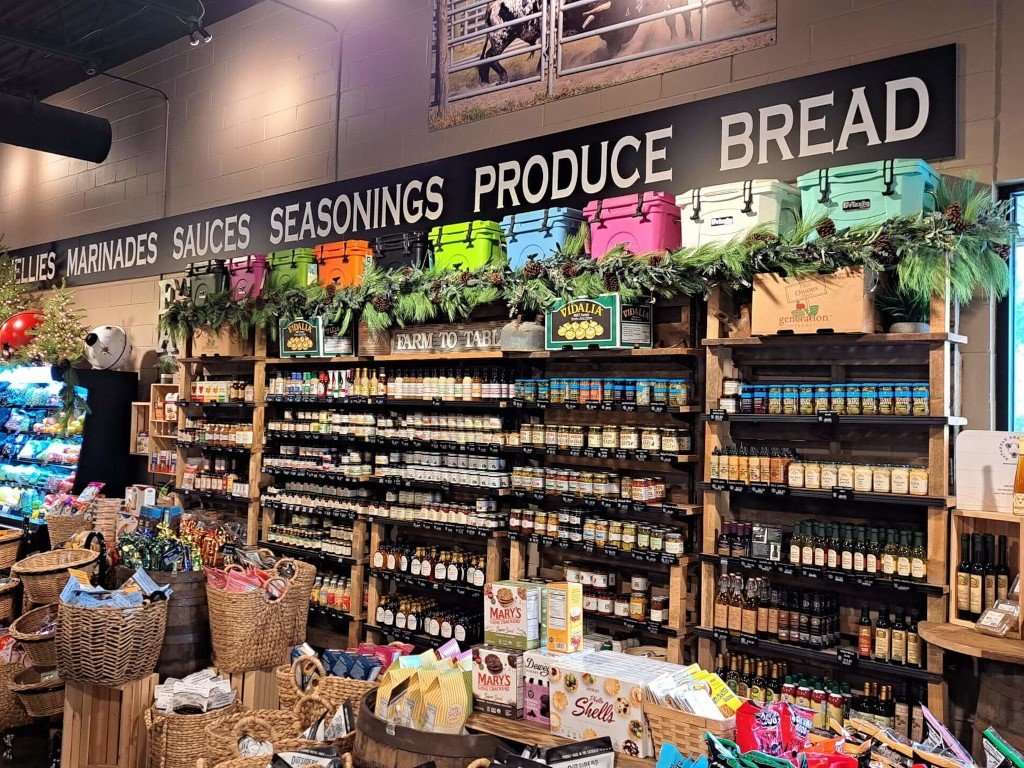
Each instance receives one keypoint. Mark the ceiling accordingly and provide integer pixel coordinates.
(49, 45)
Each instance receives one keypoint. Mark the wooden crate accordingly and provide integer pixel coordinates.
(139, 425)
(996, 523)
(256, 689)
(103, 726)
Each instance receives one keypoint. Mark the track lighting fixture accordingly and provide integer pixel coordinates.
(199, 34)
(193, 38)
(205, 34)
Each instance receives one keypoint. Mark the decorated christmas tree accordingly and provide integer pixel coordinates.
(12, 293)
(59, 338)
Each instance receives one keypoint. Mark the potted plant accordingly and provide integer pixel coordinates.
(167, 367)
(902, 311)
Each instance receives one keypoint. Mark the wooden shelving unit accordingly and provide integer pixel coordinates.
(162, 431)
(836, 358)
(139, 425)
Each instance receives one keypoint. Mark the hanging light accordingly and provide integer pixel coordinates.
(193, 38)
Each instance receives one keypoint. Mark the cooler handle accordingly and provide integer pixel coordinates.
(823, 186)
(748, 197)
(511, 234)
(639, 212)
(695, 204)
(597, 211)
(469, 232)
(888, 176)
(544, 224)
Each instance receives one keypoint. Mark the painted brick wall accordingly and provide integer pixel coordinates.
(253, 114)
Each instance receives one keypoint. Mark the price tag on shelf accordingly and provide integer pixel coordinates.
(847, 657)
(828, 417)
(748, 640)
(718, 414)
(842, 494)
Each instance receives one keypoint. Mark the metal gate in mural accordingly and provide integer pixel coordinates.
(497, 56)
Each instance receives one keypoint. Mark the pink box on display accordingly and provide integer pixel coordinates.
(643, 223)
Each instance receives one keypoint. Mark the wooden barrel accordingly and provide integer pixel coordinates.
(379, 745)
(186, 646)
(999, 703)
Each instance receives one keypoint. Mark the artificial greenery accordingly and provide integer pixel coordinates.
(59, 338)
(964, 243)
(13, 296)
(216, 312)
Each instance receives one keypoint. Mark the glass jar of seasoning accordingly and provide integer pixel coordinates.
(731, 387)
(886, 400)
(673, 543)
(806, 401)
(900, 479)
(601, 534)
(837, 398)
(822, 394)
(729, 403)
(575, 438)
(853, 400)
(628, 537)
(790, 400)
(628, 438)
(610, 436)
(921, 399)
(795, 474)
(903, 402)
(589, 601)
(869, 399)
(650, 439)
(659, 391)
(829, 475)
(812, 475)
(678, 393)
(594, 437)
(614, 534)
(638, 606)
(775, 399)
(918, 481)
(844, 476)
(881, 478)
(639, 583)
(760, 394)
(669, 440)
(659, 609)
(862, 478)
(622, 606)
(605, 604)
(643, 391)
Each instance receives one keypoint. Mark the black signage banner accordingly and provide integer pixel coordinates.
(903, 106)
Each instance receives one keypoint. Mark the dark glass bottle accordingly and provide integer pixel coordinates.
(1002, 571)
(963, 577)
(977, 576)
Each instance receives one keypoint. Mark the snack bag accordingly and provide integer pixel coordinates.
(764, 729)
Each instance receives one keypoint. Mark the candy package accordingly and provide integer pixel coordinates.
(767, 729)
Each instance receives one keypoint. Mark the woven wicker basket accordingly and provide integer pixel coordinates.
(9, 600)
(261, 762)
(298, 595)
(109, 646)
(221, 739)
(44, 574)
(41, 647)
(249, 630)
(12, 711)
(63, 527)
(332, 689)
(684, 730)
(178, 741)
(288, 693)
(10, 543)
(40, 698)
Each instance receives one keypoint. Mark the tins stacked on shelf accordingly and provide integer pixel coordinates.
(828, 473)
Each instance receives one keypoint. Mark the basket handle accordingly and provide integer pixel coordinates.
(282, 566)
(232, 567)
(253, 726)
(269, 594)
(155, 726)
(321, 704)
(310, 664)
(480, 762)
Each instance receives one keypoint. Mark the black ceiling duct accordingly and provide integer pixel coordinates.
(33, 124)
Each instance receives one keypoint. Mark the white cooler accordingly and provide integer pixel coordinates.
(729, 211)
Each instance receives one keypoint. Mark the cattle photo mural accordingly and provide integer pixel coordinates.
(496, 56)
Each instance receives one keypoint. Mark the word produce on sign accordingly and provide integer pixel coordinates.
(904, 106)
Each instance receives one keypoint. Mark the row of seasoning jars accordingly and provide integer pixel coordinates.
(296, 536)
(610, 436)
(905, 479)
(575, 527)
(850, 399)
(200, 432)
(636, 599)
(600, 485)
(674, 393)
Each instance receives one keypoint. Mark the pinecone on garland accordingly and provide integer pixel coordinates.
(382, 303)
(570, 270)
(827, 228)
(1002, 249)
(330, 290)
(883, 247)
(533, 269)
(496, 279)
(611, 281)
(656, 259)
(464, 278)
(763, 238)
(954, 214)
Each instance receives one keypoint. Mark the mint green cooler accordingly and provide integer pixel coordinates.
(868, 193)
(468, 245)
(295, 268)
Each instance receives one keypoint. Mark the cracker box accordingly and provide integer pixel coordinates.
(565, 617)
(512, 614)
(601, 694)
(498, 681)
(536, 696)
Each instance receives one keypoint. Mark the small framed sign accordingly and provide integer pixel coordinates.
(300, 337)
(602, 322)
(334, 343)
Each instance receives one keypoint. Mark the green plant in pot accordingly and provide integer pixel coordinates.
(903, 311)
(167, 367)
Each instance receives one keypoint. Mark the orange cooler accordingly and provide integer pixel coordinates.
(342, 263)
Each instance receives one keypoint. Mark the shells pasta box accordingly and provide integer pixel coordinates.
(842, 302)
(512, 614)
(498, 681)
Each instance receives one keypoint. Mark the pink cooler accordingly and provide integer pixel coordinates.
(246, 275)
(643, 223)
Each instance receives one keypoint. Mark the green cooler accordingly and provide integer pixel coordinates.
(868, 193)
(468, 245)
(295, 268)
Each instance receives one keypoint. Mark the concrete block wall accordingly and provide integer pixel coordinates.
(252, 113)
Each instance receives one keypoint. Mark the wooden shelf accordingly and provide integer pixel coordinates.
(826, 493)
(850, 421)
(970, 642)
(977, 514)
(525, 732)
(221, 360)
(838, 338)
(599, 354)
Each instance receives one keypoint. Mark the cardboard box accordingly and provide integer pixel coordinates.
(601, 694)
(839, 303)
(498, 681)
(225, 343)
(536, 696)
(565, 617)
(512, 614)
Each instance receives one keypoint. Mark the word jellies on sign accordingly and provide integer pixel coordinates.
(440, 339)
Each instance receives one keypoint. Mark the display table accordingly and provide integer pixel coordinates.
(971, 642)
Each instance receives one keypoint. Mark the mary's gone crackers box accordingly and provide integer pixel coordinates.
(512, 614)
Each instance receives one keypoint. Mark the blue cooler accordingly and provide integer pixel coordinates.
(868, 193)
(539, 233)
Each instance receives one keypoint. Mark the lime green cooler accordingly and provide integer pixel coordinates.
(468, 245)
(868, 193)
(295, 268)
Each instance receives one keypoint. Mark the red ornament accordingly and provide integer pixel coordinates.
(14, 332)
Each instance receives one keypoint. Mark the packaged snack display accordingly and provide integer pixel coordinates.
(512, 612)
(498, 681)
(564, 616)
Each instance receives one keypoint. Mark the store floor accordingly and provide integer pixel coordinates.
(29, 747)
